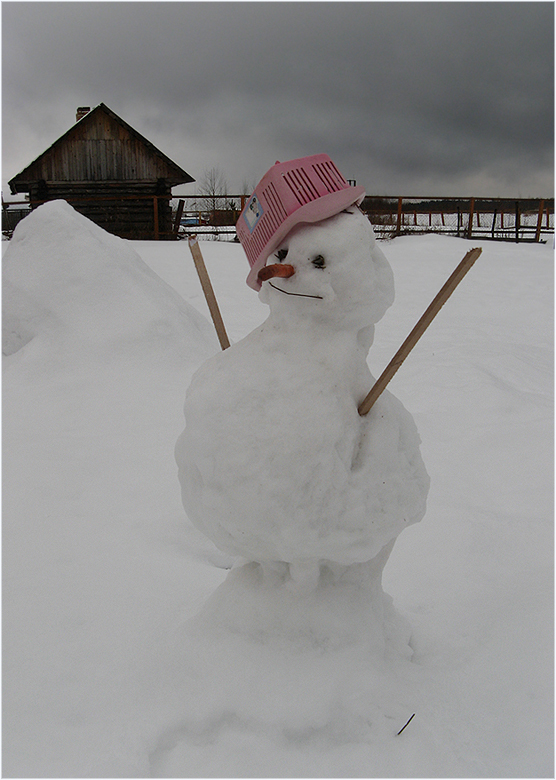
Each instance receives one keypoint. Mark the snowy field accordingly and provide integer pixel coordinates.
(116, 661)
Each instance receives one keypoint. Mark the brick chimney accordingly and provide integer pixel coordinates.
(81, 112)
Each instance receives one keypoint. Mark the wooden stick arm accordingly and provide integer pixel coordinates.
(208, 291)
(440, 299)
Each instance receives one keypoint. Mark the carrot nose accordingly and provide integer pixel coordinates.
(277, 269)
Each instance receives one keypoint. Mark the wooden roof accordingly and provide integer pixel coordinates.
(100, 147)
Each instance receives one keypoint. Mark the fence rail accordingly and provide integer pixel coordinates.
(502, 219)
(496, 219)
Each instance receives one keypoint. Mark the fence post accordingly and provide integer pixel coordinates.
(399, 223)
(493, 222)
(517, 225)
(539, 221)
(470, 223)
(179, 212)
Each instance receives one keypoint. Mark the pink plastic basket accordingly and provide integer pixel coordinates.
(305, 190)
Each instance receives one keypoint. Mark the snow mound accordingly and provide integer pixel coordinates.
(258, 663)
(69, 283)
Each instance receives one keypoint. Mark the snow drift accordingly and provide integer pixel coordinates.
(71, 284)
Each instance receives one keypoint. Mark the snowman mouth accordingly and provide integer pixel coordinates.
(298, 295)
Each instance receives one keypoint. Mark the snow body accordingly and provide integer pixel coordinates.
(275, 462)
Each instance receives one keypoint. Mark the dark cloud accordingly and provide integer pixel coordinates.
(425, 98)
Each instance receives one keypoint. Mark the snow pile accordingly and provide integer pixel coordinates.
(98, 345)
(76, 288)
(265, 683)
(128, 653)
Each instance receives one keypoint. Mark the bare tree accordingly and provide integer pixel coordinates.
(247, 188)
(214, 199)
(214, 191)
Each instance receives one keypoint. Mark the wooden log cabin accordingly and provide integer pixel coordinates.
(110, 173)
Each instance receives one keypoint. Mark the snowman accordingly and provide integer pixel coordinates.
(276, 465)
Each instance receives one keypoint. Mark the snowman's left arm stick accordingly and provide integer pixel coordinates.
(208, 291)
(440, 299)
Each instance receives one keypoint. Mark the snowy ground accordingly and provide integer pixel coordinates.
(105, 673)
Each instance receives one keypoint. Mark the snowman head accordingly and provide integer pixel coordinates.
(330, 271)
(308, 189)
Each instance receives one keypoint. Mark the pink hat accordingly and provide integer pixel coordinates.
(305, 190)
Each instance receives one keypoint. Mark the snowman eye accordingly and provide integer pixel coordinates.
(319, 261)
(281, 254)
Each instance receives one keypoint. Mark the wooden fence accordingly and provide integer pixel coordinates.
(496, 219)
(523, 219)
(501, 219)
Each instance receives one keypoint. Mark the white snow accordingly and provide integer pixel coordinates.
(121, 656)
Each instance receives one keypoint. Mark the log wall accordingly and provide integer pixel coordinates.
(138, 211)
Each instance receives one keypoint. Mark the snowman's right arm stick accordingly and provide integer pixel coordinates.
(442, 296)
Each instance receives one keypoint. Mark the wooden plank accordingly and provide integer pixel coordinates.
(539, 221)
(179, 212)
(399, 221)
(440, 299)
(155, 206)
(209, 292)
(470, 223)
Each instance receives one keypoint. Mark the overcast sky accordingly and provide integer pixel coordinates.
(407, 98)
